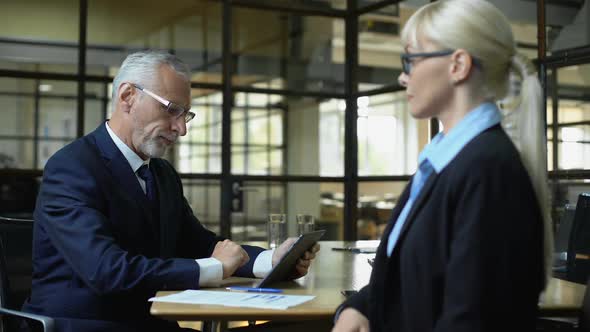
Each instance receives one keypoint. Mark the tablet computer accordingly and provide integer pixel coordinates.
(285, 266)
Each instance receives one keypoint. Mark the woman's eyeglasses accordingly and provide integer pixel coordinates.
(173, 109)
(407, 58)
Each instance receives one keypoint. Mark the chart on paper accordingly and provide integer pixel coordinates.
(232, 299)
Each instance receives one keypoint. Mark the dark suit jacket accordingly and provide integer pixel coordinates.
(99, 252)
(470, 255)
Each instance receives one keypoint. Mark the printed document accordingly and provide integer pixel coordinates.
(235, 299)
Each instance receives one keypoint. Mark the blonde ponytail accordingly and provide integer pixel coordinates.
(525, 126)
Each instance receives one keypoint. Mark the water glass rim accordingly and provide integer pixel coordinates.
(277, 217)
(301, 217)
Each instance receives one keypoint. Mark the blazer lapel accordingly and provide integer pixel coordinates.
(122, 172)
(381, 250)
(396, 212)
(420, 200)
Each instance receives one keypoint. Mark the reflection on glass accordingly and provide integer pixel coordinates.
(26, 104)
(57, 126)
(259, 200)
(573, 117)
(96, 105)
(574, 147)
(332, 137)
(323, 201)
(17, 102)
(200, 150)
(292, 52)
(26, 42)
(306, 4)
(388, 136)
(567, 25)
(192, 29)
(274, 135)
(550, 149)
(203, 197)
(16, 153)
(574, 80)
(257, 133)
(376, 202)
(379, 46)
(331, 214)
(566, 192)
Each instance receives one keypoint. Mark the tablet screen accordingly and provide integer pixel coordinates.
(285, 266)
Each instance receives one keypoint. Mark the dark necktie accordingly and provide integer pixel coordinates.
(146, 175)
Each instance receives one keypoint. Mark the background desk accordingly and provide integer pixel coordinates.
(561, 298)
(331, 272)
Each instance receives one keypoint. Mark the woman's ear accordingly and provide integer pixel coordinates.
(461, 64)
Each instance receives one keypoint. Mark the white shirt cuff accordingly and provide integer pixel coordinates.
(210, 272)
(263, 264)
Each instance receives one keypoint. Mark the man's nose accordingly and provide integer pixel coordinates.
(179, 125)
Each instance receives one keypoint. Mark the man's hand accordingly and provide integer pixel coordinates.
(231, 255)
(303, 262)
(351, 320)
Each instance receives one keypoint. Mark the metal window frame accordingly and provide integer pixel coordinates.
(350, 180)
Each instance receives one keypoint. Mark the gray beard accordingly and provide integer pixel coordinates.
(152, 148)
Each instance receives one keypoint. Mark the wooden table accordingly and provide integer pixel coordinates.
(331, 272)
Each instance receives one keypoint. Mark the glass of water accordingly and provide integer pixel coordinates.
(277, 229)
(305, 223)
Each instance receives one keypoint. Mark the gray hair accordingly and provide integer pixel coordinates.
(142, 68)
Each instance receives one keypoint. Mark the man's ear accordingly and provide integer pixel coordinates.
(127, 96)
(461, 64)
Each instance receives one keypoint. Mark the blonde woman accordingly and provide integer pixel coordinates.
(466, 246)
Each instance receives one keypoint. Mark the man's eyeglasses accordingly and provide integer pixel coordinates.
(173, 109)
(407, 58)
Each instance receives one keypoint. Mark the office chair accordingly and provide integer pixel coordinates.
(15, 268)
(17, 195)
(578, 253)
(562, 240)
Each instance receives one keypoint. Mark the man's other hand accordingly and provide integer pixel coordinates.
(303, 263)
(231, 255)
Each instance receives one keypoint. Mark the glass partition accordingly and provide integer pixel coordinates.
(280, 135)
(324, 201)
(200, 150)
(567, 25)
(292, 52)
(26, 42)
(573, 118)
(203, 197)
(17, 102)
(389, 138)
(39, 117)
(379, 46)
(190, 29)
(96, 105)
(376, 202)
